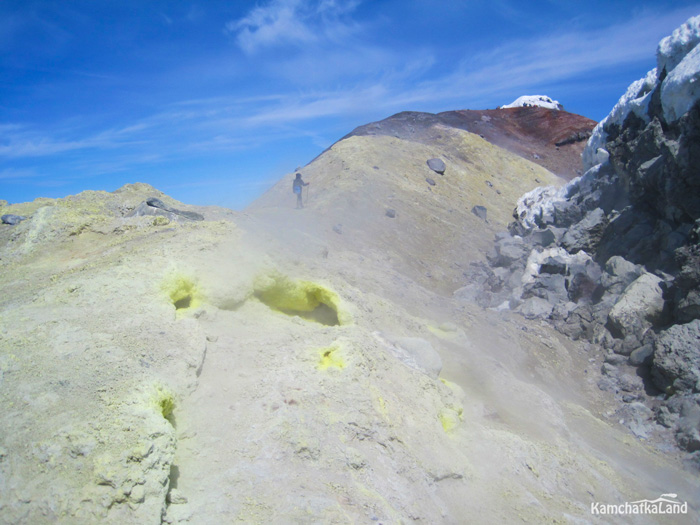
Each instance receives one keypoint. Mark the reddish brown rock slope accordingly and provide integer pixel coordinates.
(553, 139)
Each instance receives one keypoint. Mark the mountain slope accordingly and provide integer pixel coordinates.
(554, 139)
(434, 235)
(260, 367)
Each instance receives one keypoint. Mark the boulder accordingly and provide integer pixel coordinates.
(545, 237)
(507, 251)
(549, 287)
(619, 274)
(583, 278)
(535, 308)
(582, 286)
(642, 355)
(574, 323)
(688, 307)
(155, 206)
(586, 234)
(639, 308)
(566, 213)
(12, 219)
(676, 362)
(687, 283)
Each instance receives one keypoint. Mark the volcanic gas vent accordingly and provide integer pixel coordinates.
(305, 299)
(182, 291)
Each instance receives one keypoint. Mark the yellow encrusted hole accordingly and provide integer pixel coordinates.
(182, 291)
(451, 417)
(305, 299)
(163, 401)
(331, 357)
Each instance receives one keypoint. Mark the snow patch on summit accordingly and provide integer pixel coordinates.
(534, 100)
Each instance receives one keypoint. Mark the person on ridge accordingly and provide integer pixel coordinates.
(297, 187)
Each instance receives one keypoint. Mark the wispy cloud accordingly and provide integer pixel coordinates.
(293, 23)
(17, 174)
(383, 81)
(21, 141)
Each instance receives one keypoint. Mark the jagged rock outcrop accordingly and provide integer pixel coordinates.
(635, 217)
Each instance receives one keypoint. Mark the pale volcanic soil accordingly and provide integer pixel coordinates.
(301, 366)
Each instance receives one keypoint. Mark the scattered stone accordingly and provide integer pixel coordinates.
(437, 165)
(430, 181)
(391, 213)
(480, 211)
(338, 228)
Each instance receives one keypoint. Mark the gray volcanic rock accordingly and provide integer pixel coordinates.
(508, 250)
(154, 202)
(619, 273)
(639, 308)
(12, 219)
(437, 165)
(677, 358)
(585, 235)
(480, 211)
(634, 213)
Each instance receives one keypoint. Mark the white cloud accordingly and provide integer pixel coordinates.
(379, 82)
(280, 22)
(295, 23)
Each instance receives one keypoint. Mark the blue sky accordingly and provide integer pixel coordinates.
(214, 101)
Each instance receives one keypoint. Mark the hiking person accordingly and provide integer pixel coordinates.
(297, 188)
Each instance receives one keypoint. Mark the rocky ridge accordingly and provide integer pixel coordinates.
(613, 256)
(551, 138)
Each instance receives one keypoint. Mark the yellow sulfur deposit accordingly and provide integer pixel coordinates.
(303, 298)
(182, 291)
(450, 418)
(163, 401)
(331, 357)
